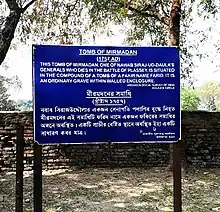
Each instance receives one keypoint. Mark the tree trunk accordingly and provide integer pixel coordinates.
(174, 40)
(174, 24)
(8, 30)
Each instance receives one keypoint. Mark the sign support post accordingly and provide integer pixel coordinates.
(37, 177)
(177, 194)
(19, 168)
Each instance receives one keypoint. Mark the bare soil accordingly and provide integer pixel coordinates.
(115, 190)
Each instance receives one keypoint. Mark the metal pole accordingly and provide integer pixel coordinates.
(177, 177)
(19, 168)
(37, 178)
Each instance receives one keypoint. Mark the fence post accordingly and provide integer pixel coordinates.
(19, 168)
(177, 187)
(37, 177)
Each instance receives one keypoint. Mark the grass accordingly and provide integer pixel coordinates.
(115, 190)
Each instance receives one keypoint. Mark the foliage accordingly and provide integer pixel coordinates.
(5, 103)
(189, 99)
(210, 95)
(24, 105)
(55, 22)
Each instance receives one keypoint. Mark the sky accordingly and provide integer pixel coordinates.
(19, 60)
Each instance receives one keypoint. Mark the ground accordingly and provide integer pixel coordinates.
(115, 190)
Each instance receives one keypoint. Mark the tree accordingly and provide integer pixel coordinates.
(76, 20)
(151, 19)
(189, 99)
(210, 95)
(5, 103)
(9, 25)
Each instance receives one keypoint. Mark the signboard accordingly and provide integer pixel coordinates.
(95, 94)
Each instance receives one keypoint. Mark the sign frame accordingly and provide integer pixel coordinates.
(110, 141)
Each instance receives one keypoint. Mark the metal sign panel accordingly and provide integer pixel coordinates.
(95, 94)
